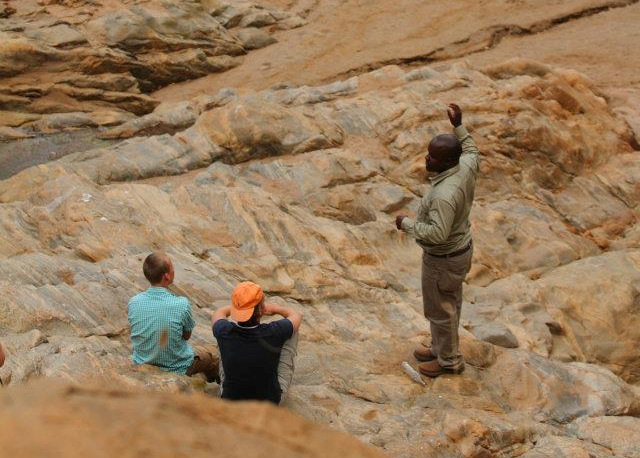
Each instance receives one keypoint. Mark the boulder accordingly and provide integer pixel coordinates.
(618, 434)
(497, 334)
(167, 424)
(254, 38)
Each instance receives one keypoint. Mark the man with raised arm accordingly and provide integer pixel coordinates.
(257, 358)
(443, 231)
(161, 324)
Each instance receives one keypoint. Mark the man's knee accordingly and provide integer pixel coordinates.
(286, 366)
(205, 353)
(205, 361)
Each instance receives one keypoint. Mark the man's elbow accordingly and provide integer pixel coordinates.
(296, 320)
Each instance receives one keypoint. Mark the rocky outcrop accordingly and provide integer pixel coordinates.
(86, 57)
(296, 188)
(45, 418)
(617, 434)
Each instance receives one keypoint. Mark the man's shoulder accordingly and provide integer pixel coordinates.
(182, 301)
(222, 327)
(168, 297)
(468, 163)
(173, 299)
(279, 327)
(138, 298)
(277, 323)
(446, 188)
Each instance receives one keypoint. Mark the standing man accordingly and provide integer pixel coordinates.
(161, 324)
(257, 359)
(443, 230)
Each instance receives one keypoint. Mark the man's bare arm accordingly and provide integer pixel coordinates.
(292, 315)
(220, 314)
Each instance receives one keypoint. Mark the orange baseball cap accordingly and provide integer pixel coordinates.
(245, 297)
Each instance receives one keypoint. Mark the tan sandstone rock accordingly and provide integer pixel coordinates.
(297, 188)
(165, 425)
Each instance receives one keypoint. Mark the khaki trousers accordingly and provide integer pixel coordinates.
(286, 366)
(205, 361)
(442, 280)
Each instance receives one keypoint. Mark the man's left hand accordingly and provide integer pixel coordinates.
(399, 219)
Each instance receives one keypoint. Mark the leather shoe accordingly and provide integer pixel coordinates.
(424, 354)
(434, 369)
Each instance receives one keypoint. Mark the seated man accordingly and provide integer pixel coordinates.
(161, 323)
(257, 359)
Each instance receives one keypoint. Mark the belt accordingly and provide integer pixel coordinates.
(454, 254)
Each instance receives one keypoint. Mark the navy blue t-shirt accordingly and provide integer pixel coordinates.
(250, 358)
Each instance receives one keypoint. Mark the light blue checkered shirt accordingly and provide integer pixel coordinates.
(150, 313)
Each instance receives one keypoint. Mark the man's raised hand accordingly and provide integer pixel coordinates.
(455, 114)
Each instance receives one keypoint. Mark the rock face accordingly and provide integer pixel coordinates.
(618, 434)
(95, 57)
(164, 425)
(296, 189)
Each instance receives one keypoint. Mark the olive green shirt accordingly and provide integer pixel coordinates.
(442, 225)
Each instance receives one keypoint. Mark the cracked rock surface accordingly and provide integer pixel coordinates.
(296, 188)
(292, 177)
(102, 56)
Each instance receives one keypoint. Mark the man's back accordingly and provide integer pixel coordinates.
(158, 320)
(250, 358)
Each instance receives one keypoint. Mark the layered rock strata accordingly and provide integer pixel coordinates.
(93, 63)
(296, 188)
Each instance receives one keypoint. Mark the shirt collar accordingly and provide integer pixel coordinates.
(245, 327)
(158, 290)
(442, 175)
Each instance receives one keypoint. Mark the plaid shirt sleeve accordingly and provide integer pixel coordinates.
(187, 318)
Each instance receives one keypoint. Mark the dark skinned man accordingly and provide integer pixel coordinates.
(443, 231)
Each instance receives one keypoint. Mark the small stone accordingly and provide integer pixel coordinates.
(253, 38)
(495, 333)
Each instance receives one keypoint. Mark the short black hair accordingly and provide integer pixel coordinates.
(155, 266)
(450, 144)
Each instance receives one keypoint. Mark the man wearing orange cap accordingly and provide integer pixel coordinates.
(257, 358)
